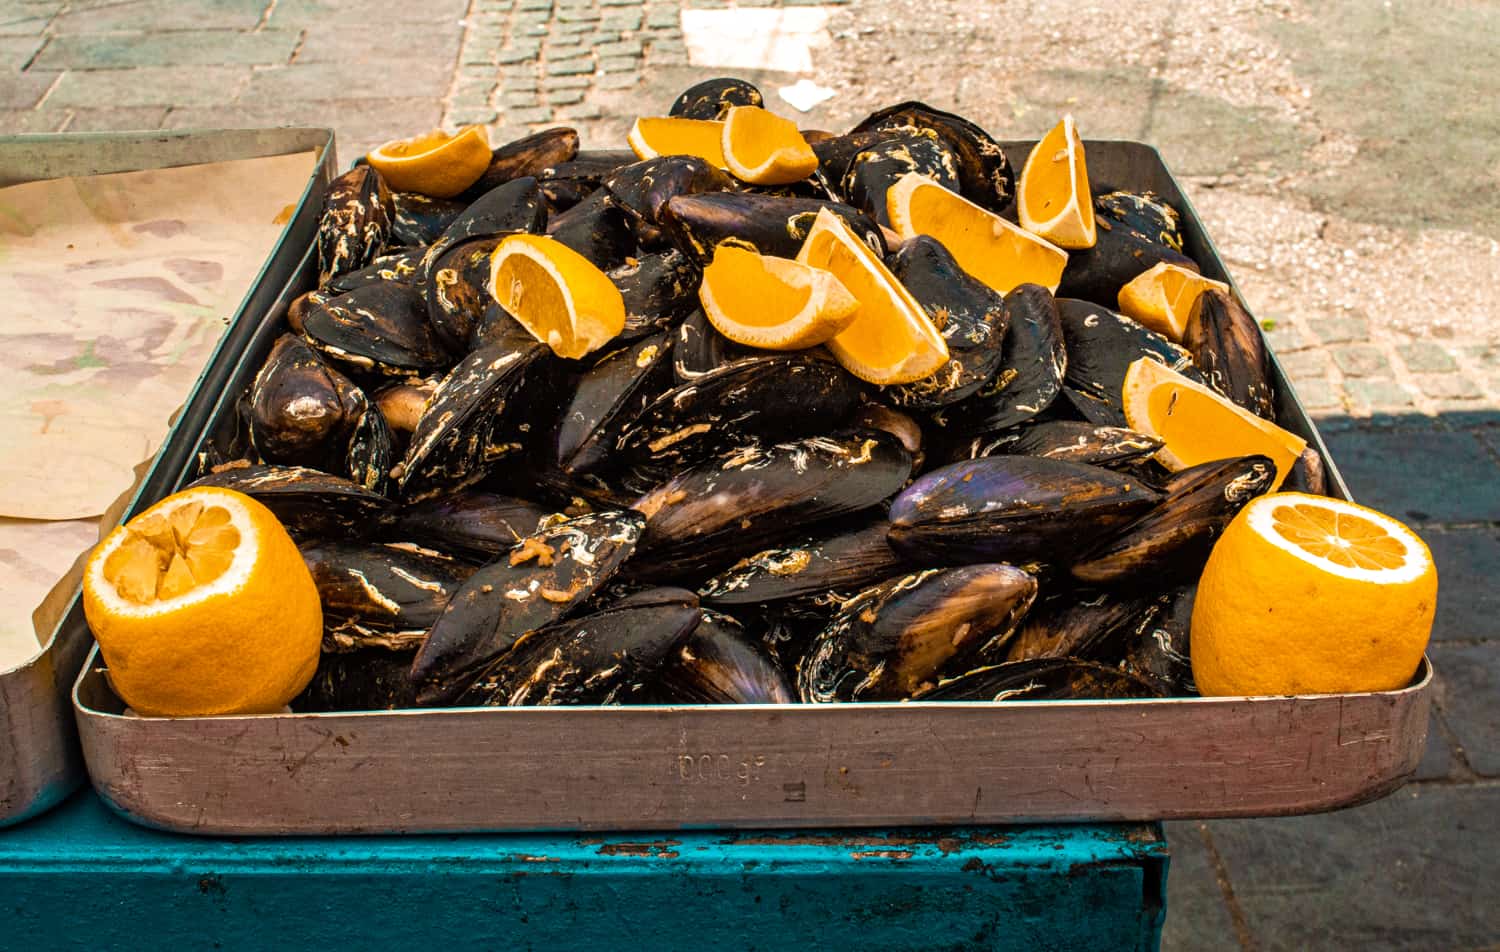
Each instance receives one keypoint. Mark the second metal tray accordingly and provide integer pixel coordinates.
(581, 768)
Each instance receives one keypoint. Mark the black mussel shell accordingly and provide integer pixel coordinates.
(698, 348)
(720, 663)
(598, 229)
(1031, 372)
(602, 658)
(874, 416)
(1045, 679)
(591, 166)
(455, 286)
(525, 157)
(983, 170)
(1143, 212)
(1118, 256)
(311, 504)
(355, 224)
(1171, 543)
(836, 156)
(1307, 475)
(758, 398)
(972, 317)
(370, 679)
(402, 404)
(376, 595)
(1018, 509)
(659, 289)
(742, 502)
(712, 98)
(873, 171)
(562, 194)
(892, 640)
(422, 219)
(770, 224)
(475, 525)
(607, 398)
(642, 190)
(402, 267)
(844, 561)
(1160, 652)
(1103, 344)
(1100, 411)
(474, 419)
(379, 328)
(508, 209)
(537, 582)
(1230, 351)
(1072, 440)
(1082, 623)
(302, 304)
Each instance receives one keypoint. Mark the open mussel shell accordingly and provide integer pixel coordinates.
(367, 679)
(379, 328)
(525, 157)
(720, 663)
(355, 223)
(750, 499)
(643, 189)
(475, 525)
(589, 167)
(1075, 441)
(537, 582)
(698, 348)
(712, 98)
(1118, 256)
(1083, 623)
(836, 156)
(598, 229)
(455, 287)
(609, 397)
(402, 404)
(1229, 349)
(1143, 212)
(844, 560)
(563, 194)
(971, 316)
(474, 419)
(402, 267)
(1045, 679)
(770, 224)
(983, 170)
(1307, 475)
(1160, 652)
(379, 595)
(311, 505)
(659, 290)
(903, 426)
(602, 658)
(1103, 344)
(304, 303)
(761, 397)
(1018, 509)
(1171, 543)
(422, 219)
(874, 170)
(892, 640)
(1032, 367)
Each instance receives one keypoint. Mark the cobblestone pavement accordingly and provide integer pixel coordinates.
(1343, 153)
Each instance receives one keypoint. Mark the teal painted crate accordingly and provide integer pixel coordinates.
(81, 878)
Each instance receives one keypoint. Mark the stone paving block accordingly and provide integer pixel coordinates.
(617, 81)
(1377, 394)
(571, 67)
(178, 48)
(25, 90)
(621, 48)
(1197, 918)
(1400, 873)
(570, 82)
(1393, 470)
(663, 17)
(1471, 683)
(117, 119)
(564, 97)
(574, 29)
(471, 115)
(1284, 338)
(534, 5)
(18, 121)
(623, 21)
(1449, 386)
(1361, 360)
(159, 15)
(150, 86)
(519, 99)
(435, 45)
(577, 16)
(619, 64)
(17, 51)
(537, 114)
(1468, 563)
(367, 14)
(580, 111)
(1305, 364)
(1318, 395)
(517, 55)
(1437, 759)
(1426, 357)
(321, 81)
(29, 20)
(1334, 330)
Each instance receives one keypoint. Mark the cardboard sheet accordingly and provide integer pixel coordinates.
(116, 289)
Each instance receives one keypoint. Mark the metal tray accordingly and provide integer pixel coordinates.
(595, 768)
(39, 753)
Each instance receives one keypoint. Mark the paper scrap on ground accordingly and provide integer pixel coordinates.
(116, 289)
(782, 40)
(805, 94)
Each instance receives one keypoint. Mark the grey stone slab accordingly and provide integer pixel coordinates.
(1468, 563)
(1361, 360)
(1449, 386)
(617, 81)
(1301, 364)
(1197, 918)
(25, 90)
(1437, 758)
(325, 81)
(16, 52)
(620, 64)
(1419, 473)
(117, 119)
(367, 15)
(1318, 394)
(517, 54)
(1283, 338)
(663, 16)
(18, 121)
(436, 46)
(150, 86)
(564, 97)
(1471, 700)
(571, 67)
(1334, 330)
(28, 20)
(622, 21)
(1406, 872)
(1373, 394)
(1426, 357)
(159, 15)
(178, 48)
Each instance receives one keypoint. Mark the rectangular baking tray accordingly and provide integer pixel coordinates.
(40, 760)
(672, 767)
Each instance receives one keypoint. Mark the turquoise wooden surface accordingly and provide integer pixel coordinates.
(81, 878)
